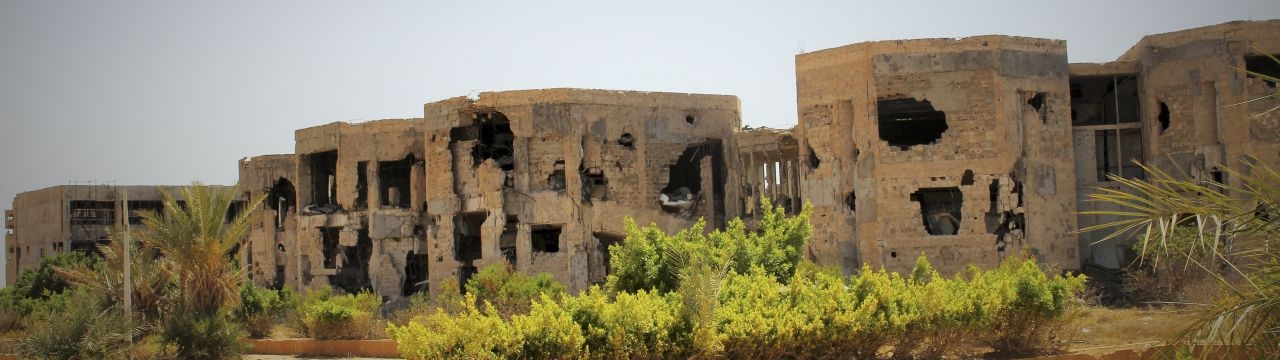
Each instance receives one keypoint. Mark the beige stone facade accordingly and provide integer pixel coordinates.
(966, 150)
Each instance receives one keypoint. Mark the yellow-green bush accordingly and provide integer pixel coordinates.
(324, 315)
(740, 294)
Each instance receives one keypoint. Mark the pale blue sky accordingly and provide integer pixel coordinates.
(164, 92)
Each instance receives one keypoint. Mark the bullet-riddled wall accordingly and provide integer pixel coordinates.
(958, 149)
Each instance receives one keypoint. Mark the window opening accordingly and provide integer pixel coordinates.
(324, 179)
(546, 238)
(683, 193)
(466, 236)
(1262, 64)
(939, 209)
(905, 123)
(393, 181)
(415, 274)
(353, 275)
(281, 200)
(507, 243)
(362, 185)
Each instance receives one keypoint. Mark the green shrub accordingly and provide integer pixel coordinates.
(651, 260)
(36, 285)
(201, 336)
(261, 309)
(324, 315)
(1031, 308)
(511, 292)
(470, 334)
(76, 324)
(750, 295)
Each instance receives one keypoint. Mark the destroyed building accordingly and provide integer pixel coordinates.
(966, 150)
(540, 179)
(958, 149)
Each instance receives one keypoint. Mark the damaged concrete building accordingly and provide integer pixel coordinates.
(540, 179)
(955, 148)
(966, 150)
(68, 218)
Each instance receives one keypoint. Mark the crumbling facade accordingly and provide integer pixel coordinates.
(958, 149)
(540, 179)
(965, 150)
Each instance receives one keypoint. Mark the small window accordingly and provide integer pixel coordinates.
(940, 209)
(546, 238)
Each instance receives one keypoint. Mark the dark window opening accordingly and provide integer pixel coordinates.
(603, 243)
(814, 161)
(466, 235)
(1262, 64)
(279, 280)
(682, 195)
(594, 185)
(546, 238)
(967, 178)
(393, 181)
(627, 141)
(353, 276)
(281, 200)
(362, 185)
(893, 254)
(851, 201)
(1037, 102)
(507, 243)
(1163, 117)
(324, 177)
(909, 122)
(137, 207)
(85, 212)
(556, 181)
(689, 119)
(415, 274)
(494, 140)
(234, 210)
(329, 244)
(1104, 100)
(939, 209)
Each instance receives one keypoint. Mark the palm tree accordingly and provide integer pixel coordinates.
(195, 240)
(1236, 239)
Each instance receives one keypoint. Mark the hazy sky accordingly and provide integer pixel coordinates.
(166, 92)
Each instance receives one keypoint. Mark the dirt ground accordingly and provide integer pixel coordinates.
(1103, 328)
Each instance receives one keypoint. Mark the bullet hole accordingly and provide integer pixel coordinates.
(689, 119)
(627, 141)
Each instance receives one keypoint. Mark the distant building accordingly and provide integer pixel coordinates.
(67, 218)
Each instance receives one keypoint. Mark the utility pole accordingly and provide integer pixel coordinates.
(128, 278)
